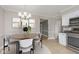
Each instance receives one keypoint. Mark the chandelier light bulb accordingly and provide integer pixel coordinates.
(25, 13)
(20, 14)
(29, 16)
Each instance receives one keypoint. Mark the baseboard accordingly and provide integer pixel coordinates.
(50, 38)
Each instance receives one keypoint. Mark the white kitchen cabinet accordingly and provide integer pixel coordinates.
(63, 39)
(65, 21)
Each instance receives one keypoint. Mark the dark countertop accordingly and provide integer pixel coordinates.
(72, 34)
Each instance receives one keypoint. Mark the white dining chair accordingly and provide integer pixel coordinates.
(38, 39)
(26, 45)
(6, 43)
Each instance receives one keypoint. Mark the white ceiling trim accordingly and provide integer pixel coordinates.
(67, 9)
(50, 13)
(50, 16)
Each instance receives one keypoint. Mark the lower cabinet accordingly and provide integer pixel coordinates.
(63, 39)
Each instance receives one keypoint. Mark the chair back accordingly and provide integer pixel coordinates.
(25, 43)
(7, 40)
(40, 36)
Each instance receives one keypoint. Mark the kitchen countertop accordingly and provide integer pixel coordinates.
(73, 34)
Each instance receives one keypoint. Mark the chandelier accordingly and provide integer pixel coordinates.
(24, 18)
(24, 15)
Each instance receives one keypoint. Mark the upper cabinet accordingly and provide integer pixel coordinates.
(74, 21)
(70, 18)
(65, 21)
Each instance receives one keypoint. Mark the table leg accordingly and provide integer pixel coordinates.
(33, 46)
(17, 47)
(41, 43)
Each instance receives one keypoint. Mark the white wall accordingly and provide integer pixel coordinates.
(54, 27)
(8, 23)
(1, 25)
(37, 24)
(51, 28)
(58, 25)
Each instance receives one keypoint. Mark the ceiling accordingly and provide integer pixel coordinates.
(42, 10)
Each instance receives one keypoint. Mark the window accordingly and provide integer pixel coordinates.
(24, 23)
(31, 23)
(16, 23)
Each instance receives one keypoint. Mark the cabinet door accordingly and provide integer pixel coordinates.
(65, 21)
(62, 38)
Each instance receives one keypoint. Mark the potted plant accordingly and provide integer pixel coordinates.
(25, 29)
(29, 28)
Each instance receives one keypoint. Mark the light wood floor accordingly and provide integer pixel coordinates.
(56, 48)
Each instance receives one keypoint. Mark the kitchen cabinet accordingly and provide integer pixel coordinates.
(74, 21)
(65, 21)
(63, 39)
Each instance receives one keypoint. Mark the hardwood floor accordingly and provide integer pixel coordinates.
(56, 48)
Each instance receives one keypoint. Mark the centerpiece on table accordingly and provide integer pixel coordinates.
(27, 29)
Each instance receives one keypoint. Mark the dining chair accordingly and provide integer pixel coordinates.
(6, 43)
(38, 39)
(26, 45)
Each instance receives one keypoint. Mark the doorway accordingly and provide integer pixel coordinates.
(44, 26)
